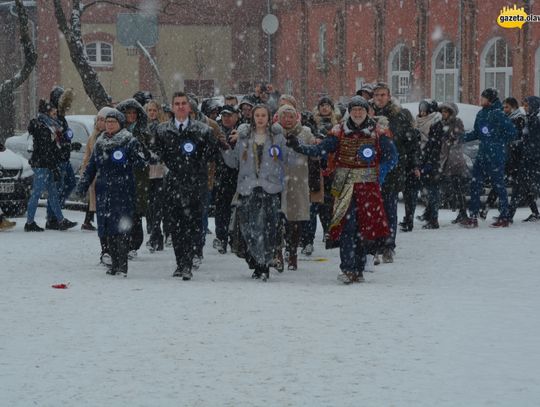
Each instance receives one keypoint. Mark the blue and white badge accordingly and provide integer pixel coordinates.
(119, 156)
(366, 153)
(188, 147)
(485, 130)
(69, 134)
(274, 152)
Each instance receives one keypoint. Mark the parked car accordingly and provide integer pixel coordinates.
(82, 127)
(15, 183)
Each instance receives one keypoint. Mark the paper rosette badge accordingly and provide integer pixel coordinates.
(512, 17)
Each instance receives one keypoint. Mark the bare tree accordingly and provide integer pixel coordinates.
(73, 35)
(7, 88)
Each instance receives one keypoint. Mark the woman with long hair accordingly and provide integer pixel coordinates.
(260, 155)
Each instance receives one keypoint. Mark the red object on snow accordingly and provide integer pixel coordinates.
(61, 286)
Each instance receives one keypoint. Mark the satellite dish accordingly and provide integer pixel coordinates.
(270, 24)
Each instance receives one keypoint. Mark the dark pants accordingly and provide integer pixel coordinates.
(137, 233)
(64, 185)
(202, 236)
(154, 216)
(410, 197)
(118, 249)
(293, 231)
(223, 196)
(185, 216)
(433, 201)
(457, 194)
(324, 210)
(495, 171)
(390, 199)
(104, 242)
(522, 193)
(352, 250)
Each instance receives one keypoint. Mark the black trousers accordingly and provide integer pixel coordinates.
(154, 217)
(137, 233)
(118, 249)
(223, 196)
(186, 225)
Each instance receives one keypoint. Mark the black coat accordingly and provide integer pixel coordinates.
(529, 165)
(186, 155)
(407, 141)
(431, 154)
(45, 132)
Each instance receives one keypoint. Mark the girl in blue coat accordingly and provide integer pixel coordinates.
(116, 153)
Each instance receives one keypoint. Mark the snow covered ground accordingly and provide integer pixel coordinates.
(453, 322)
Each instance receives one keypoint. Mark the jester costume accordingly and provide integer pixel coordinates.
(362, 156)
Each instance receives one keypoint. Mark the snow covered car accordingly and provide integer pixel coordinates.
(15, 183)
(82, 127)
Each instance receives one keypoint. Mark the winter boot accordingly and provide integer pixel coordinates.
(470, 223)
(265, 273)
(388, 255)
(52, 224)
(187, 274)
(32, 227)
(278, 262)
(433, 224)
(292, 261)
(197, 261)
(462, 215)
(533, 217)
(6, 224)
(88, 227)
(65, 224)
(501, 223)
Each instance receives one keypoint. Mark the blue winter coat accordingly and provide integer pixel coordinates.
(113, 161)
(494, 130)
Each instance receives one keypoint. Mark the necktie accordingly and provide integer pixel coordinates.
(181, 128)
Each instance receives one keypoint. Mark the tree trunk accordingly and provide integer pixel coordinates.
(7, 98)
(72, 33)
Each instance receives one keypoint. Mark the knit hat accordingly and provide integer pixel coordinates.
(366, 87)
(428, 105)
(286, 109)
(119, 116)
(325, 99)
(358, 101)
(246, 100)
(104, 110)
(451, 106)
(491, 94)
(228, 109)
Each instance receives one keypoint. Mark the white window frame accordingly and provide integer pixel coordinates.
(322, 44)
(445, 71)
(508, 70)
(403, 76)
(99, 61)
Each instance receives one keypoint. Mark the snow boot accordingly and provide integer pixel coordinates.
(293, 262)
(462, 215)
(470, 223)
(501, 223)
(434, 224)
(32, 227)
(388, 255)
(533, 217)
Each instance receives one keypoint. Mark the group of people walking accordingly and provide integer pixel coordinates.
(271, 169)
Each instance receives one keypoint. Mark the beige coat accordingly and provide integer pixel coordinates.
(295, 199)
(86, 158)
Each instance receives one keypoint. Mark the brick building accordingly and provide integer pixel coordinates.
(446, 49)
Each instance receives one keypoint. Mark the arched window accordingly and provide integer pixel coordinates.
(99, 53)
(444, 83)
(399, 74)
(496, 67)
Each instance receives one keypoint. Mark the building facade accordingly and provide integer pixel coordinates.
(204, 47)
(448, 50)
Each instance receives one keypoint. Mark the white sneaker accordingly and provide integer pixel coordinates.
(308, 250)
(344, 278)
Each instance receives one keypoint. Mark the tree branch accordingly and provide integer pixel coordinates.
(30, 56)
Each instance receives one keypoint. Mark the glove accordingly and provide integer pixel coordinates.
(76, 146)
(292, 142)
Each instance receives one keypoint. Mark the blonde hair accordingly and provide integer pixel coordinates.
(161, 114)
